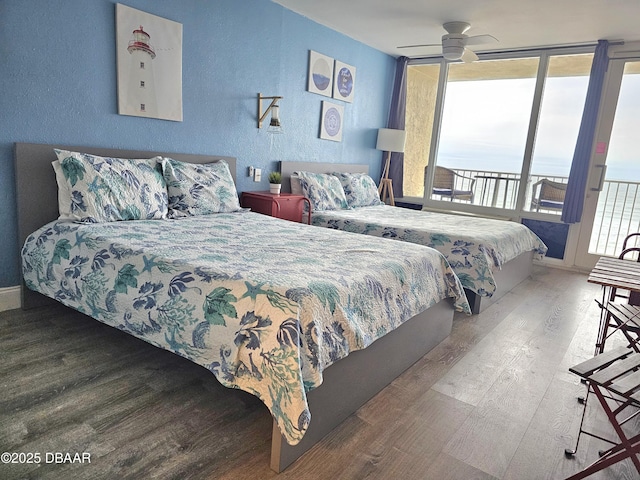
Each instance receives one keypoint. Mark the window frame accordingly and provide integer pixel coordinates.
(519, 211)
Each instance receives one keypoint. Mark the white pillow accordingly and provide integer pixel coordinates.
(64, 195)
(296, 189)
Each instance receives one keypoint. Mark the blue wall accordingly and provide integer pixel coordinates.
(58, 85)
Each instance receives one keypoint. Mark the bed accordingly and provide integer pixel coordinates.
(489, 256)
(234, 293)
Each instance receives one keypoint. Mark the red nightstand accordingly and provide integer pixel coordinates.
(284, 205)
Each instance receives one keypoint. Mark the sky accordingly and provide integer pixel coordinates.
(485, 124)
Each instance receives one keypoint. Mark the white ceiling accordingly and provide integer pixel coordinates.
(517, 24)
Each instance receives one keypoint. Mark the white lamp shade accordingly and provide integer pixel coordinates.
(391, 140)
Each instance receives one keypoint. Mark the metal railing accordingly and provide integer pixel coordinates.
(617, 213)
(499, 189)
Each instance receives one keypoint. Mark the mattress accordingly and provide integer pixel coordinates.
(475, 247)
(265, 304)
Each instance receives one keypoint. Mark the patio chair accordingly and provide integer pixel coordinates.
(448, 183)
(548, 195)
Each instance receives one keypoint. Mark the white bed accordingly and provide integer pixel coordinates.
(201, 297)
(489, 256)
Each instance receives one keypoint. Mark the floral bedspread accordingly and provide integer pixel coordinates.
(264, 304)
(475, 247)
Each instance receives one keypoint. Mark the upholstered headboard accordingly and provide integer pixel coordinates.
(37, 190)
(287, 168)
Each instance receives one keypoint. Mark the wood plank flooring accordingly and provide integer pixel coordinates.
(495, 400)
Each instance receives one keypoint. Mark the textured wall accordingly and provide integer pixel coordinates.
(58, 85)
(422, 89)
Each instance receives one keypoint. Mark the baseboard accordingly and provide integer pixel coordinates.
(9, 298)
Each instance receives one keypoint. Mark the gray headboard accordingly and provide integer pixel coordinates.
(287, 168)
(37, 190)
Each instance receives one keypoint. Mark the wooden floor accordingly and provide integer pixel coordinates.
(493, 401)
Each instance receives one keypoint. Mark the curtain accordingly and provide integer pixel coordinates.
(577, 183)
(396, 120)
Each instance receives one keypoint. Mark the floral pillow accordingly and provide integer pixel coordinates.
(199, 188)
(359, 189)
(106, 189)
(324, 191)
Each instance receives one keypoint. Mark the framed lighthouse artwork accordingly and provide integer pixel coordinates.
(149, 54)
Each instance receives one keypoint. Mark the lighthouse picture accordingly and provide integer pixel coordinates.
(149, 52)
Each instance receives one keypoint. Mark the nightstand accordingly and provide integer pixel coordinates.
(284, 205)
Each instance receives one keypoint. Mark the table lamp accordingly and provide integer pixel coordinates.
(389, 140)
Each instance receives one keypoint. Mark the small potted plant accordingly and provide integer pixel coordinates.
(275, 179)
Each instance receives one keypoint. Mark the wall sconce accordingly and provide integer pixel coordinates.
(274, 108)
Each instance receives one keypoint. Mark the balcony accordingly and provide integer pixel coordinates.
(617, 213)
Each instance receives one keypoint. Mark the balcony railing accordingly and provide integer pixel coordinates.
(499, 189)
(617, 213)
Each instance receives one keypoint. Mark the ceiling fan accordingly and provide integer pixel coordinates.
(456, 41)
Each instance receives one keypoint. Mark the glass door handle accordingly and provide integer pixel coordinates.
(603, 173)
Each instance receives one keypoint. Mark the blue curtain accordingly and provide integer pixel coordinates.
(574, 198)
(396, 120)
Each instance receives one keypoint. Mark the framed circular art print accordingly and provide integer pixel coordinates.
(344, 81)
(320, 74)
(332, 121)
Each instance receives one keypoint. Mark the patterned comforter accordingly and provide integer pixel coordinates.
(475, 247)
(264, 304)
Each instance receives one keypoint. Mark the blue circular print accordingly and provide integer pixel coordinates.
(332, 122)
(345, 82)
(321, 74)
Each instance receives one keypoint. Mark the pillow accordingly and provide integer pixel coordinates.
(199, 188)
(64, 195)
(359, 189)
(106, 189)
(296, 189)
(324, 191)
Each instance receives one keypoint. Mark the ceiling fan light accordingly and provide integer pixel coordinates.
(452, 52)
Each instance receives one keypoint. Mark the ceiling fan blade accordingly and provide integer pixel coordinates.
(417, 46)
(468, 56)
(481, 39)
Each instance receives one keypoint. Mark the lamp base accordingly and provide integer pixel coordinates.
(386, 190)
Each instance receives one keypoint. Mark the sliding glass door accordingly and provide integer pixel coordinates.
(483, 132)
(493, 131)
(496, 137)
(612, 207)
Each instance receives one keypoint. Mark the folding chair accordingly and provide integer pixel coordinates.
(630, 253)
(622, 317)
(614, 377)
